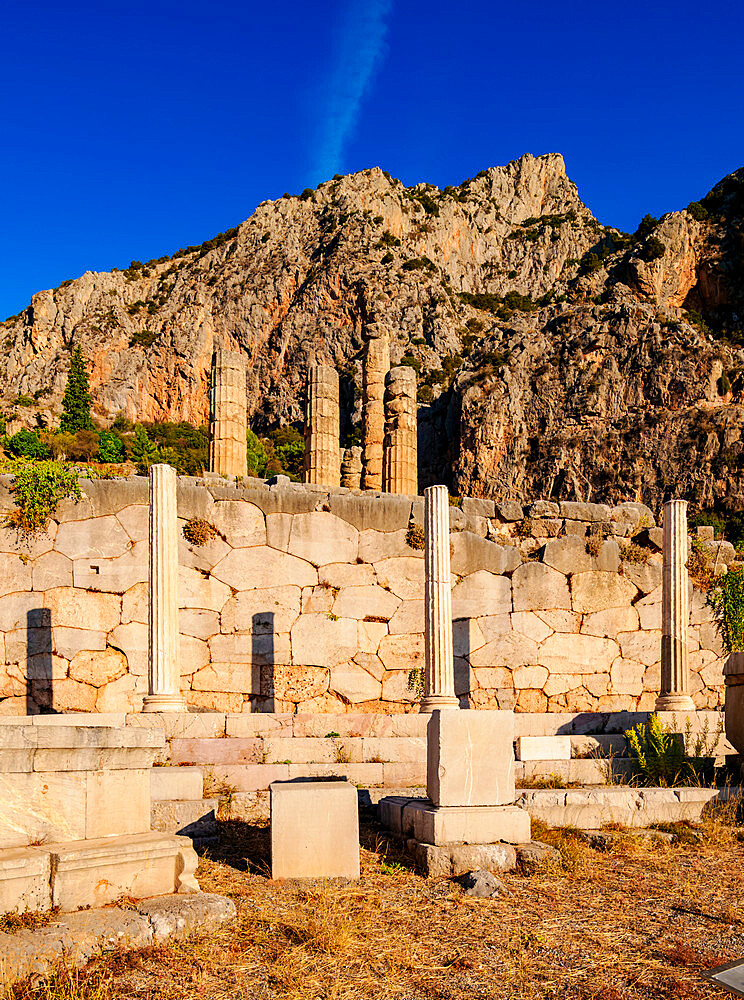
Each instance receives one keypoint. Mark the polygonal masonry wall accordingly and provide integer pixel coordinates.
(309, 599)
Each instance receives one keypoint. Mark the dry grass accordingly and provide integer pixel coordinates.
(637, 922)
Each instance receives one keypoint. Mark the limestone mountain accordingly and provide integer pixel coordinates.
(555, 356)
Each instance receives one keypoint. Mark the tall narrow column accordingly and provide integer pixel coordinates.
(376, 366)
(322, 448)
(439, 681)
(675, 612)
(164, 678)
(227, 414)
(399, 457)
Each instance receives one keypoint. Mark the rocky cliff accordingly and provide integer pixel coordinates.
(556, 357)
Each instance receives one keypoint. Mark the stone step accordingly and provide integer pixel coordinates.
(576, 772)
(189, 818)
(176, 783)
(327, 750)
(230, 778)
(609, 723)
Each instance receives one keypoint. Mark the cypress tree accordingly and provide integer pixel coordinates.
(77, 399)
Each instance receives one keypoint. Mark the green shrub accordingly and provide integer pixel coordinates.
(658, 752)
(145, 338)
(388, 258)
(652, 249)
(256, 455)
(387, 240)
(26, 444)
(418, 264)
(110, 447)
(77, 400)
(22, 401)
(144, 451)
(726, 599)
(38, 489)
(697, 211)
(306, 194)
(411, 362)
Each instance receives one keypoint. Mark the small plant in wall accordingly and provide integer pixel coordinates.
(415, 536)
(726, 598)
(197, 531)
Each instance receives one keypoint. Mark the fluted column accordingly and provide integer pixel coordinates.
(439, 680)
(376, 366)
(675, 612)
(399, 458)
(164, 677)
(227, 415)
(351, 468)
(322, 448)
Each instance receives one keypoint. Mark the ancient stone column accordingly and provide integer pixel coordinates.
(164, 678)
(322, 448)
(376, 366)
(439, 680)
(351, 468)
(227, 414)
(675, 612)
(399, 457)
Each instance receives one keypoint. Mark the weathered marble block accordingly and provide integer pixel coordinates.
(314, 830)
(470, 758)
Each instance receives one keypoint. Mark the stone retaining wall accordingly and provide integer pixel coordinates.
(311, 600)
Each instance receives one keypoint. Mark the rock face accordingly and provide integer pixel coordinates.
(556, 357)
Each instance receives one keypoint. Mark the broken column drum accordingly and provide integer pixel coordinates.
(322, 450)
(439, 680)
(227, 415)
(675, 612)
(400, 458)
(376, 367)
(164, 677)
(351, 468)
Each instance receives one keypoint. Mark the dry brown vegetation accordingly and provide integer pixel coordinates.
(641, 920)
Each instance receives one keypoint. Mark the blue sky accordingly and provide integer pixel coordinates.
(131, 130)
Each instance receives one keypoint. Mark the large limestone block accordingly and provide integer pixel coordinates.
(112, 575)
(370, 635)
(403, 576)
(132, 640)
(135, 520)
(98, 872)
(646, 576)
(354, 684)
(397, 687)
(193, 654)
(67, 642)
(470, 758)
(642, 646)
(241, 523)
(467, 824)
(567, 555)
(39, 807)
(471, 553)
(481, 593)
(597, 591)
(585, 511)
(263, 567)
(95, 538)
(320, 537)
(134, 604)
(121, 695)
(341, 575)
(198, 591)
(201, 557)
(408, 618)
(649, 610)
(536, 587)
(402, 652)
(198, 622)
(466, 637)
(25, 880)
(565, 653)
(510, 649)
(71, 607)
(626, 677)
(318, 640)
(314, 830)
(51, 570)
(610, 622)
(274, 609)
(543, 748)
(117, 802)
(386, 512)
(15, 573)
(98, 667)
(365, 602)
(257, 648)
(529, 624)
(377, 545)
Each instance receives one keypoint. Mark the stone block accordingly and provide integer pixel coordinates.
(470, 758)
(585, 511)
(456, 859)
(36, 807)
(250, 777)
(380, 513)
(609, 622)
(597, 591)
(261, 567)
(536, 587)
(117, 802)
(510, 510)
(471, 553)
(481, 593)
(567, 555)
(95, 538)
(194, 818)
(260, 724)
(98, 872)
(543, 508)
(321, 641)
(320, 537)
(177, 782)
(241, 523)
(25, 880)
(365, 601)
(314, 830)
(403, 576)
(467, 824)
(543, 748)
(354, 684)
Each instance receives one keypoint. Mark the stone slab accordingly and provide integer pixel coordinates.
(187, 818)
(314, 830)
(466, 824)
(470, 758)
(24, 880)
(98, 872)
(456, 859)
(176, 783)
(543, 748)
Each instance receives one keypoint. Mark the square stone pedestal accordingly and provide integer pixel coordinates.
(314, 829)
(440, 825)
(470, 758)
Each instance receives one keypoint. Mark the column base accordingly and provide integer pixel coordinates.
(675, 703)
(432, 702)
(164, 703)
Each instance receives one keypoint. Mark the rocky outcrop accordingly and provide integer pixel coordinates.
(554, 356)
